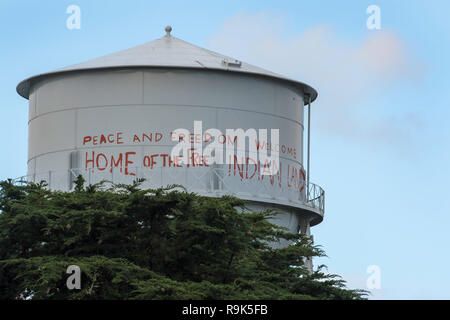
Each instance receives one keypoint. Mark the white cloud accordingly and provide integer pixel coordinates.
(347, 75)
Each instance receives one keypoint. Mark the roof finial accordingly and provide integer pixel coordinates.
(168, 30)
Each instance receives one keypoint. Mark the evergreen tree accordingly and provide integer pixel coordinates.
(134, 243)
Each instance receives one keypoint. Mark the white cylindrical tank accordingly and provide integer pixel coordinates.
(114, 118)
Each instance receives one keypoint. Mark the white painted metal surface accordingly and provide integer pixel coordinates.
(106, 116)
(168, 52)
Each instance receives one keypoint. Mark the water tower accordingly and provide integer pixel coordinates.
(113, 118)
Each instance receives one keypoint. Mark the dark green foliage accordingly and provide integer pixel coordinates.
(132, 243)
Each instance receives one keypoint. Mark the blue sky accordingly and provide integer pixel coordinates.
(380, 141)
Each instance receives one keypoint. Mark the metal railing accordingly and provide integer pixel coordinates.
(208, 181)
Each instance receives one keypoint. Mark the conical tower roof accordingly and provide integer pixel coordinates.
(166, 52)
